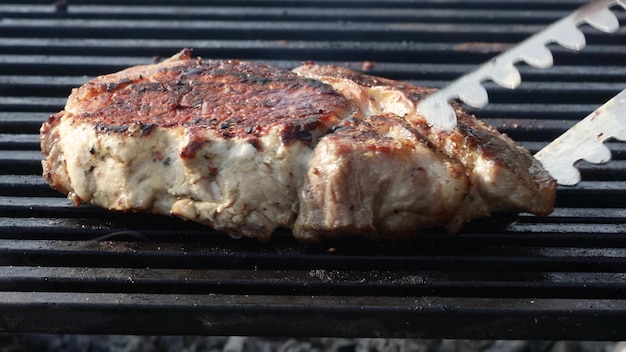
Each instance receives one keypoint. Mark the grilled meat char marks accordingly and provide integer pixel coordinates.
(504, 176)
(235, 99)
(247, 148)
(376, 177)
(227, 144)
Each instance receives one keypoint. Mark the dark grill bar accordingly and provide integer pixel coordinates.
(66, 269)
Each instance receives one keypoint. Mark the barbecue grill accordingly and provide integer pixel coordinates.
(66, 269)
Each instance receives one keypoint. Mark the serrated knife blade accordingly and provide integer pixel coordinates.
(501, 69)
(585, 141)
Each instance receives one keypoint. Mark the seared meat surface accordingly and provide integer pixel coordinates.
(247, 148)
(503, 176)
(377, 177)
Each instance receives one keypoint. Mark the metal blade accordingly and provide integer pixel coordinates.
(501, 70)
(585, 141)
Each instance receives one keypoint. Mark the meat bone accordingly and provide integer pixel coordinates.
(584, 140)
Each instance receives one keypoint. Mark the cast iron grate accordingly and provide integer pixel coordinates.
(84, 270)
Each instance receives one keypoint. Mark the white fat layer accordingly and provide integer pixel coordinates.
(228, 183)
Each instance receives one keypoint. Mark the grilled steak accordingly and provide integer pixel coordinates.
(247, 148)
(502, 176)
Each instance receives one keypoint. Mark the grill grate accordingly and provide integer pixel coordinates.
(84, 270)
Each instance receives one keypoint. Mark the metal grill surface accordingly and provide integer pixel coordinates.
(66, 269)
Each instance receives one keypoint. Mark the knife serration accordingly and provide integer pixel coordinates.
(585, 141)
(533, 51)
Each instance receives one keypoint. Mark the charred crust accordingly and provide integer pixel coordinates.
(190, 150)
(113, 86)
(101, 127)
(304, 136)
(233, 99)
(139, 128)
(256, 144)
(46, 135)
(334, 129)
(418, 93)
(293, 133)
(144, 128)
(191, 71)
(184, 54)
(53, 120)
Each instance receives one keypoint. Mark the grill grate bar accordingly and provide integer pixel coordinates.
(60, 65)
(242, 315)
(518, 262)
(307, 14)
(366, 4)
(302, 282)
(277, 30)
(403, 52)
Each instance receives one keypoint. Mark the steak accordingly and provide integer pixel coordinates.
(247, 148)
